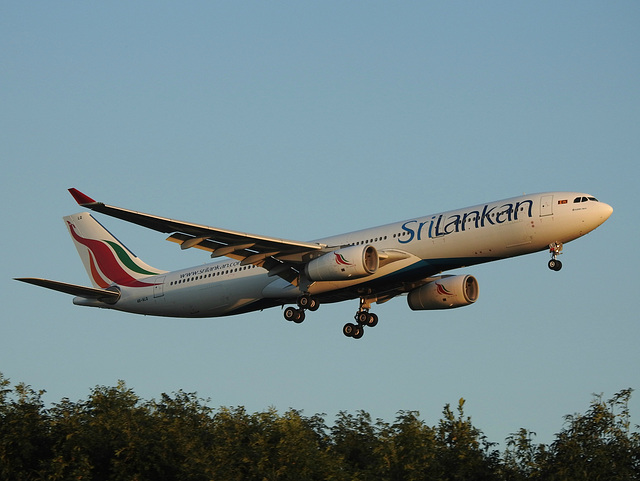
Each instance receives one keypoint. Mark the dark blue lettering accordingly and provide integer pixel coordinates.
(422, 224)
(431, 227)
(455, 223)
(409, 231)
(486, 214)
(503, 212)
(438, 232)
(519, 204)
(476, 217)
(440, 225)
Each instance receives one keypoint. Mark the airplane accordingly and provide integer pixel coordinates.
(373, 265)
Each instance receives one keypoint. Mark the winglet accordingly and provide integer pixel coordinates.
(81, 198)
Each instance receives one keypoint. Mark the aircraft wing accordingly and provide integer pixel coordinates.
(73, 289)
(279, 256)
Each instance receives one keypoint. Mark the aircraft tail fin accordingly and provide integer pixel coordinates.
(105, 258)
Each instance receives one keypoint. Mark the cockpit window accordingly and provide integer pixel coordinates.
(584, 199)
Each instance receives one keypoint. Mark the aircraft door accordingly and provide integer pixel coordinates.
(158, 288)
(546, 205)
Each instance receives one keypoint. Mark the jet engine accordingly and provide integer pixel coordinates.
(444, 293)
(343, 264)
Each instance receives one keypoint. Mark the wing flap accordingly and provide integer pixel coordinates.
(249, 248)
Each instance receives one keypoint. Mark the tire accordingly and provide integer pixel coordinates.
(304, 301)
(348, 329)
(555, 265)
(359, 332)
(363, 318)
(290, 313)
(313, 305)
(299, 316)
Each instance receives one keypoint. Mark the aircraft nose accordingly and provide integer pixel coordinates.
(605, 211)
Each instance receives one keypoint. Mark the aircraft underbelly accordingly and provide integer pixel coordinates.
(213, 299)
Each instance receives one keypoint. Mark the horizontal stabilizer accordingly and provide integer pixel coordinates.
(108, 296)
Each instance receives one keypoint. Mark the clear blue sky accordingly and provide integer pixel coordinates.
(305, 119)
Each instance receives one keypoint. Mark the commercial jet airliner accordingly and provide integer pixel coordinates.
(373, 265)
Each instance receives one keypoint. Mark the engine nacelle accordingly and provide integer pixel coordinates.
(444, 293)
(348, 263)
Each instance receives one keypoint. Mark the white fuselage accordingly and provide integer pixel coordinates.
(426, 246)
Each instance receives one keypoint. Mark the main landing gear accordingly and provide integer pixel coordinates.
(304, 302)
(363, 319)
(555, 248)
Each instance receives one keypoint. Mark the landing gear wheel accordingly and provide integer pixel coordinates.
(349, 329)
(555, 249)
(373, 320)
(293, 314)
(368, 319)
(313, 305)
(358, 332)
(304, 301)
(555, 265)
(290, 313)
(299, 317)
(362, 317)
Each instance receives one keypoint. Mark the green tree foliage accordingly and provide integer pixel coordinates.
(407, 449)
(596, 445)
(25, 444)
(464, 452)
(266, 446)
(355, 443)
(523, 458)
(115, 435)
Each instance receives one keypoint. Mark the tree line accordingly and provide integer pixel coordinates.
(115, 435)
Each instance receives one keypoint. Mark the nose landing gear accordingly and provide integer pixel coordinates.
(555, 248)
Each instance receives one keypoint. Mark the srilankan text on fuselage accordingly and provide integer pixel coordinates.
(448, 223)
